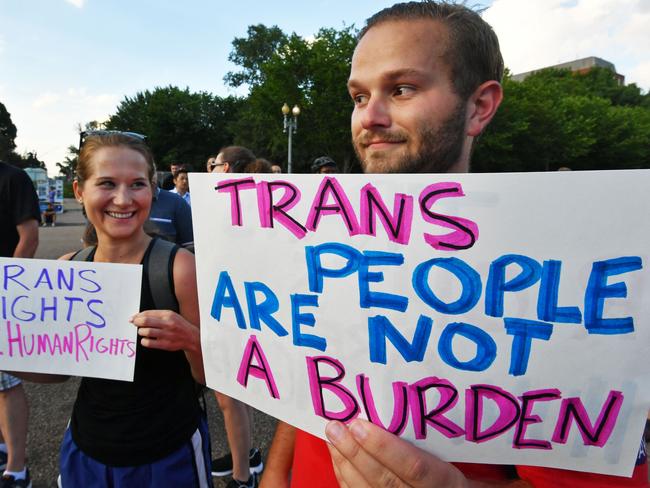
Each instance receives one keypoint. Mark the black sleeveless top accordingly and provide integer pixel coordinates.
(120, 423)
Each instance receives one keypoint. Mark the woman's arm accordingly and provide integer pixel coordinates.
(164, 329)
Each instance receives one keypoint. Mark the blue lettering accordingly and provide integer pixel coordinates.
(470, 282)
(523, 332)
(380, 329)
(486, 348)
(263, 311)
(369, 298)
(82, 275)
(598, 290)
(27, 317)
(224, 285)
(547, 308)
(7, 276)
(497, 284)
(43, 277)
(298, 319)
(315, 270)
(45, 308)
(96, 314)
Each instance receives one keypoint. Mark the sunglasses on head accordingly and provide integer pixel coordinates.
(100, 133)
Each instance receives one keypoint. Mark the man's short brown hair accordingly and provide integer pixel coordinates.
(473, 54)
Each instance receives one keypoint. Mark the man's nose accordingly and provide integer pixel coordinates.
(376, 113)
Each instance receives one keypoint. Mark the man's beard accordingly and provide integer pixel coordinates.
(440, 147)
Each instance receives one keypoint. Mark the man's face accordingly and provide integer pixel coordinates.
(174, 167)
(407, 117)
(181, 183)
(326, 170)
(219, 166)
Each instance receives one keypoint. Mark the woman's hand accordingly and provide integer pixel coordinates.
(167, 330)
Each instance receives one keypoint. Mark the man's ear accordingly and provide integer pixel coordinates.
(482, 106)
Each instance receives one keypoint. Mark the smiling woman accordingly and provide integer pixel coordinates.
(149, 432)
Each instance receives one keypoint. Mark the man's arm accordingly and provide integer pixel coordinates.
(280, 458)
(28, 239)
(183, 224)
(365, 454)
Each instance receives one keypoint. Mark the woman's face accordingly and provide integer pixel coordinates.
(117, 195)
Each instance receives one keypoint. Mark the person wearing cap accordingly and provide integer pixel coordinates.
(324, 165)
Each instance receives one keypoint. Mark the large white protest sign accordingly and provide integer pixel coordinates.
(68, 317)
(495, 318)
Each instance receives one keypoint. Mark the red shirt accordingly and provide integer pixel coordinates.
(312, 468)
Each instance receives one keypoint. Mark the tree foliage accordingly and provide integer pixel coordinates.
(180, 126)
(252, 52)
(8, 154)
(7, 134)
(310, 73)
(557, 118)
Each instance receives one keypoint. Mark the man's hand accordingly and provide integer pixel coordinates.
(366, 455)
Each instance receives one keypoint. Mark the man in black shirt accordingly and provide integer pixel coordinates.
(19, 219)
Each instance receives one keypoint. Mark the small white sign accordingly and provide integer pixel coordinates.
(68, 317)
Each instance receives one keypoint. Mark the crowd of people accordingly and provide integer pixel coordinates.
(425, 82)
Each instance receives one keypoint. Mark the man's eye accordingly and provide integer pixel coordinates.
(360, 99)
(404, 90)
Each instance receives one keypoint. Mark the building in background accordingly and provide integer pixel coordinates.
(579, 66)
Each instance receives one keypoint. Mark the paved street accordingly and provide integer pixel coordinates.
(50, 405)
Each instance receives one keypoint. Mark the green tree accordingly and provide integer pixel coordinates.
(557, 118)
(252, 52)
(180, 126)
(7, 134)
(68, 166)
(311, 74)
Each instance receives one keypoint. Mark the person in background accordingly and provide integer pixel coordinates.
(209, 165)
(168, 181)
(171, 219)
(49, 215)
(182, 185)
(277, 169)
(324, 165)
(260, 165)
(425, 82)
(19, 218)
(231, 155)
(243, 462)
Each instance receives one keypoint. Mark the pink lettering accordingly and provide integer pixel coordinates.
(232, 187)
(435, 418)
(331, 188)
(270, 211)
(592, 435)
(507, 404)
(261, 370)
(465, 231)
(317, 383)
(397, 225)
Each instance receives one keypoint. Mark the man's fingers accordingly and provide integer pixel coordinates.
(412, 465)
(357, 467)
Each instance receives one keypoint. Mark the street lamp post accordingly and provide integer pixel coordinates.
(290, 126)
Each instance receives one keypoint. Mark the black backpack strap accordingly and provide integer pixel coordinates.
(83, 254)
(160, 271)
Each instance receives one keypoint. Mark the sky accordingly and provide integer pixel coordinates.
(67, 62)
